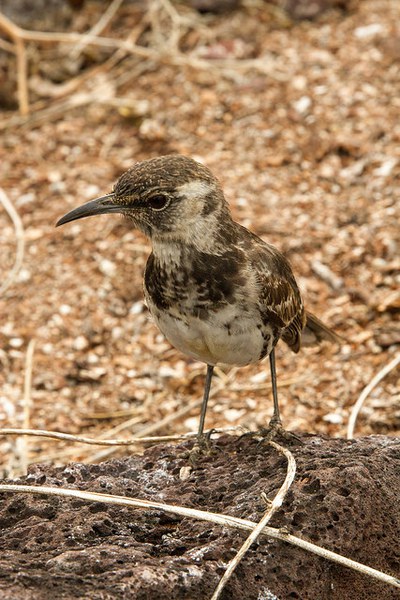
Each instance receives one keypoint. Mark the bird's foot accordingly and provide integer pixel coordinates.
(272, 432)
(202, 447)
(275, 431)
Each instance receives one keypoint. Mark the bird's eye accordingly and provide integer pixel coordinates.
(158, 202)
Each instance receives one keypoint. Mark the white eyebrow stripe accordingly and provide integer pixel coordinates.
(195, 189)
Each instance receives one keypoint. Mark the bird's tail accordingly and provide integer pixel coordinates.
(315, 331)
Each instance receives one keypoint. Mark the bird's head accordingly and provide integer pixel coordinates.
(170, 197)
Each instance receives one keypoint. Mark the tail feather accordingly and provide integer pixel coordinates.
(315, 331)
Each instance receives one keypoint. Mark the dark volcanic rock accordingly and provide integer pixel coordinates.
(344, 497)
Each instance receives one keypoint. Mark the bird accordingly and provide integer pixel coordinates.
(218, 292)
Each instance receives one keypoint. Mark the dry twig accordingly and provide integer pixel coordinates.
(15, 34)
(19, 234)
(273, 507)
(167, 53)
(98, 27)
(59, 435)
(366, 391)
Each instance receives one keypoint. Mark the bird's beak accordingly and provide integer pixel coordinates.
(99, 206)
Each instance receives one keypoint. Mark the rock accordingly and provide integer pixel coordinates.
(343, 498)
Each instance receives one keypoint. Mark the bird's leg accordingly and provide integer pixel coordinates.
(275, 425)
(201, 442)
(275, 422)
(207, 386)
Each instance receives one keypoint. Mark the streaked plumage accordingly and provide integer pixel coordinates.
(218, 292)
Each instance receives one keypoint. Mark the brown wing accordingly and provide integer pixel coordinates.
(280, 300)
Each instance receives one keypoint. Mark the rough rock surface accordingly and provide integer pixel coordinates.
(343, 498)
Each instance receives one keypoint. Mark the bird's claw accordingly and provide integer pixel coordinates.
(202, 447)
(275, 430)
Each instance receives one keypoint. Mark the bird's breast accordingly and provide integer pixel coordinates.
(225, 336)
(207, 308)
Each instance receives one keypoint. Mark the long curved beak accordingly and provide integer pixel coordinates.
(99, 206)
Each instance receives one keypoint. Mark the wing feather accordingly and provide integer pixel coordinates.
(280, 301)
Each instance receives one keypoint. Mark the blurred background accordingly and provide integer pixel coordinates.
(294, 105)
